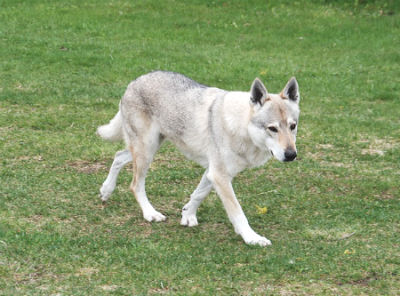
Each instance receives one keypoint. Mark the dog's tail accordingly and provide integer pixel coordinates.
(113, 130)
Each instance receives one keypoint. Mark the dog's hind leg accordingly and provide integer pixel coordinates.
(143, 149)
(190, 209)
(120, 160)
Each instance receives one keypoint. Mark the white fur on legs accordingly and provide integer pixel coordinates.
(189, 210)
(143, 152)
(149, 213)
(250, 237)
(120, 160)
(153, 215)
(223, 186)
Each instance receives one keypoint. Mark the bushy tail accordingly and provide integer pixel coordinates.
(113, 130)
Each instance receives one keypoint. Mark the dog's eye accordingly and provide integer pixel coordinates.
(273, 129)
(292, 126)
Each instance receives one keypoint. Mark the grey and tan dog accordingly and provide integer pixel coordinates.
(224, 131)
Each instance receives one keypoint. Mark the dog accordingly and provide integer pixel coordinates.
(224, 131)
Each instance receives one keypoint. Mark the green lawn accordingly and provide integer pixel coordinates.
(332, 216)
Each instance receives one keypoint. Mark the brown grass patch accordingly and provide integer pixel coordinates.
(87, 271)
(87, 167)
(379, 146)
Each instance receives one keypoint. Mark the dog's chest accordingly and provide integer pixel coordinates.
(257, 158)
(239, 160)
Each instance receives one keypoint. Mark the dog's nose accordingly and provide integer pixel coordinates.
(290, 154)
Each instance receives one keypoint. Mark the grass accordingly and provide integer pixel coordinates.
(333, 215)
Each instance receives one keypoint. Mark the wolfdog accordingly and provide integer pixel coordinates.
(224, 131)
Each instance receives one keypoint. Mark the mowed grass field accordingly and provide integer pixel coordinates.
(333, 216)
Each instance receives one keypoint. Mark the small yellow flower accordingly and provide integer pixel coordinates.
(263, 72)
(261, 210)
(349, 252)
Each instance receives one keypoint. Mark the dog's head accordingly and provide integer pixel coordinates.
(273, 125)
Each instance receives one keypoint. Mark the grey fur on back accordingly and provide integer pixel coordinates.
(171, 100)
(154, 86)
(164, 95)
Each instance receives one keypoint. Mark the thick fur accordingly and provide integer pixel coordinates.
(113, 130)
(224, 131)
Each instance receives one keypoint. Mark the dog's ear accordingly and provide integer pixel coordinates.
(291, 91)
(258, 92)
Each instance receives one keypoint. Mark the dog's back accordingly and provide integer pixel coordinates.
(176, 104)
(160, 91)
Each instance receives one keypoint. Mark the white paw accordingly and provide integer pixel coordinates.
(255, 239)
(105, 193)
(189, 220)
(154, 216)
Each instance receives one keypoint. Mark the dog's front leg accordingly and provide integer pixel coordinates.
(223, 186)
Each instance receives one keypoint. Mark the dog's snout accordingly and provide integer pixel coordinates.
(290, 154)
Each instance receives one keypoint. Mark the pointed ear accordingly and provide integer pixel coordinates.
(258, 92)
(291, 91)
